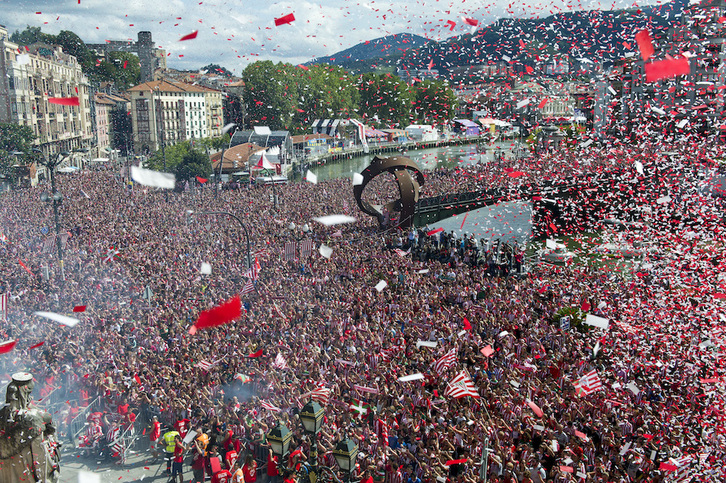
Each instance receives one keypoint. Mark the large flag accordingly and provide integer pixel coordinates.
(270, 406)
(4, 306)
(588, 383)
(111, 254)
(447, 360)
(461, 386)
(320, 394)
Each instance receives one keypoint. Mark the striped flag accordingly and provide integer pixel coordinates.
(205, 365)
(279, 362)
(270, 407)
(248, 287)
(306, 248)
(290, 251)
(4, 306)
(447, 360)
(461, 386)
(401, 253)
(320, 394)
(588, 383)
(254, 272)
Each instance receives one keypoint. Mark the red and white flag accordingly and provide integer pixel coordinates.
(461, 386)
(321, 395)
(279, 362)
(248, 287)
(111, 254)
(401, 253)
(446, 361)
(270, 407)
(205, 365)
(588, 383)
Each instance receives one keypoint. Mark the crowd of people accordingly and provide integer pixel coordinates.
(637, 399)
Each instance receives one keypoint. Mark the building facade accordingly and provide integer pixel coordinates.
(165, 112)
(32, 76)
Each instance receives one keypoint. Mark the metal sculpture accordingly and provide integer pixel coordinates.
(408, 188)
(28, 448)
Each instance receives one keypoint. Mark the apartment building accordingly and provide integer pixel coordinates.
(32, 75)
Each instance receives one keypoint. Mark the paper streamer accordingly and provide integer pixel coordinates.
(331, 220)
(61, 319)
(413, 377)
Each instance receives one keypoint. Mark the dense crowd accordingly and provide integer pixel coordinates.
(315, 322)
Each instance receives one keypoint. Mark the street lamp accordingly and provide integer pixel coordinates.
(221, 159)
(311, 416)
(346, 453)
(244, 228)
(56, 198)
(279, 439)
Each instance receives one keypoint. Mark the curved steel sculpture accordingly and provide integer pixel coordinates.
(408, 188)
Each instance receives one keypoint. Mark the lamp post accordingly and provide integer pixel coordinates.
(221, 160)
(311, 416)
(244, 228)
(345, 454)
(56, 198)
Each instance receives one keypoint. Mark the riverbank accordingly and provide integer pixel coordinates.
(384, 148)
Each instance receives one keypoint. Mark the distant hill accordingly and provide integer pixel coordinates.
(374, 51)
(599, 35)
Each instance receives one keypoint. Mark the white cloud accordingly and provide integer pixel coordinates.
(234, 33)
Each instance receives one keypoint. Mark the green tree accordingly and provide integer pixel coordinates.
(271, 94)
(13, 138)
(325, 92)
(73, 45)
(434, 102)
(218, 69)
(126, 70)
(30, 36)
(385, 100)
(193, 163)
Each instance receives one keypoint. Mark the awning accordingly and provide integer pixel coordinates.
(375, 133)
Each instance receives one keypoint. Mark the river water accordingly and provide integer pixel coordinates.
(511, 221)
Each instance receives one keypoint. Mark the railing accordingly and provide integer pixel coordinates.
(78, 424)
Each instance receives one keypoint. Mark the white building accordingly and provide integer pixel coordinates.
(29, 77)
(173, 112)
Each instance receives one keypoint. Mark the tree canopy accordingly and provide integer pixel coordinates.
(283, 96)
(13, 138)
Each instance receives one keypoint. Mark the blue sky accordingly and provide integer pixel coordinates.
(236, 33)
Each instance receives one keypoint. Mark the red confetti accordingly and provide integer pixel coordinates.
(79, 308)
(456, 462)
(433, 232)
(36, 345)
(664, 69)
(126, 63)
(645, 44)
(289, 18)
(201, 180)
(471, 22)
(64, 101)
(190, 36)
(452, 24)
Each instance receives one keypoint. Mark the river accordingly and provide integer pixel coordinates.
(511, 221)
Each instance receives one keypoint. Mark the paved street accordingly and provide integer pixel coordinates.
(139, 467)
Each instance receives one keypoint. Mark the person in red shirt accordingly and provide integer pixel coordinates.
(289, 477)
(176, 467)
(154, 435)
(182, 427)
(123, 408)
(230, 458)
(273, 475)
(223, 476)
(249, 470)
